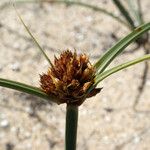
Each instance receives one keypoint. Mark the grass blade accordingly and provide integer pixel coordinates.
(33, 38)
(124, 13)
(136, 10)
(113, 70)
(139, 10)
(25, 88)
(132, 8)
(110, 55)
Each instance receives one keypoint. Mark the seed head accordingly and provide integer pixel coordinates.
(69, 78)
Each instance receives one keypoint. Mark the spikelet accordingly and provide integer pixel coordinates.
(69, 78)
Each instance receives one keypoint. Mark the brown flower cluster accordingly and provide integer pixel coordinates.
(69, 78)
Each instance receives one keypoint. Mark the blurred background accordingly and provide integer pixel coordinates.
(109, 121)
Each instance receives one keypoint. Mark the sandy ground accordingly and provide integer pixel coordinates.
(107, 121)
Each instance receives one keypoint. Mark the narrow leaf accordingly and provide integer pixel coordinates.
(135, 11)
(113, 70)
(124, 13)
(113, 52)
(33, 38)
(139, 10)
(25, 88)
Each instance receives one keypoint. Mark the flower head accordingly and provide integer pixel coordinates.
(69, 78)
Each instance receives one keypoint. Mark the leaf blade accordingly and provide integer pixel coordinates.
(115, 69)
(25, 88)
(114, 51)
(33, 38)
(124, 13)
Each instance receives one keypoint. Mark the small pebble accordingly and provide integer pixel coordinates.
(27, 134)
(107, 119)
(29, 110)
(79, 36)
(137, 139)
(13, 129)
(148, 82)
(89, 19)
(105, 139)
(4, 123)
(45, 63)
(15, 66)
(16, 45)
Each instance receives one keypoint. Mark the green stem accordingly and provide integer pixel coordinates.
(71, 127)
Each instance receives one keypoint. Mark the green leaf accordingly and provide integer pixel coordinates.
(25, 88)
(113, 52)
(135, 8)
(139, 11)
(33, 38)
(124, 13)
(94, 7)
(115, 69)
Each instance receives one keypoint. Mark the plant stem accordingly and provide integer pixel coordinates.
(71, 127)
